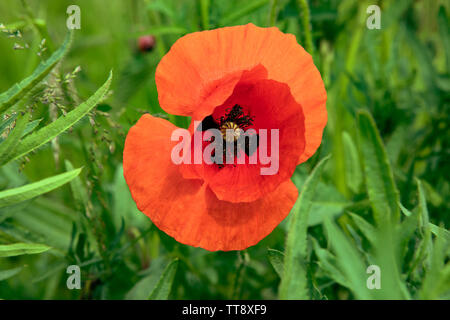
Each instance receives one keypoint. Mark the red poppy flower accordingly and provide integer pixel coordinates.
(236, 78)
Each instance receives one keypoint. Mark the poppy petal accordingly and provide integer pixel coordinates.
(273, 107)
(187, 209)
(202, 68)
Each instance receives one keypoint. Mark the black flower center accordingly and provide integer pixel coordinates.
(232, 125)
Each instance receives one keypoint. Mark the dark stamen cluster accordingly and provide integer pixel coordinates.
(236, 115)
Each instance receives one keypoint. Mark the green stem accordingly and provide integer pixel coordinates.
(273, 13)
(204, 11)
(306, 23)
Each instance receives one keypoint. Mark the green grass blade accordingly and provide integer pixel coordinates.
(44, 135)
(437, 277)
(352, 165)
(406, 229)
(436, 230)
(79, 192)
(383, 194)
(365, 227)
(294, 282)
(6, 274)
(6, 123)
(164, 285)
(17, 249)
(16, 195)
(244, 10)
(276, 259)
(14, 94)
(161, 30)
(327, 263)
(31, 126)
(424, 248)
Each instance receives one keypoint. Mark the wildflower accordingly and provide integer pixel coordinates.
(234, 79)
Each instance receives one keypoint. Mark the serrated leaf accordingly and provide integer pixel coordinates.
(17, 249)
(19, 90)
(348, 260)
(383, 193)
(276, 259)
(162, 289)
(16, 195)
(294, 282)
(44, 135)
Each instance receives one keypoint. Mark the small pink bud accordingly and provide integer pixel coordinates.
(146, 43)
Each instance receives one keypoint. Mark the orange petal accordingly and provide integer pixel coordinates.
(207, 64)
(187, 209)
(206, 222)
(273, 107)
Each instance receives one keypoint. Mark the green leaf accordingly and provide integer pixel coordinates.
(17, 249)
(162, 289)
(406, 229)
(44, 135)
(141, 289)
(423, 209)
(365, 227)
(424, 248)
(352, 166)
(46, 221)
(383, 194)
(16, 195)
(6, 274)
(241, 11)
(276, 258)
(437, 277)
(31, 126)
(405, 211)
(294, 282)
(7, 122)
(348, 260)
(436, 230)
(327, 263)
(443, 30)
(9, 144)
(78, 190)
(17, 91)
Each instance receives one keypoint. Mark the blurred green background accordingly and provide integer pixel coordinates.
(399, 74)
